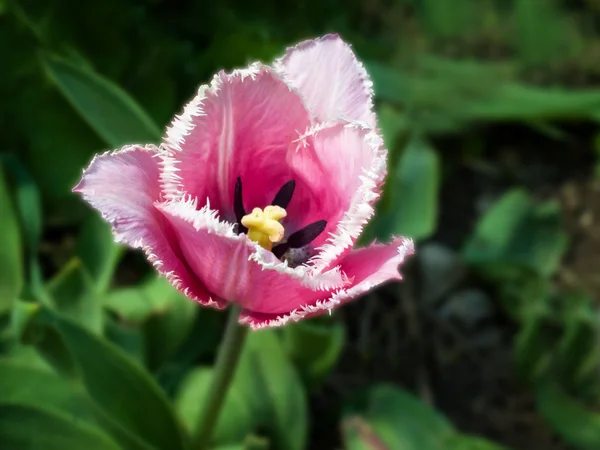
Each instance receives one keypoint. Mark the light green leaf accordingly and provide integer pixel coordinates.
(238, 417)
(74, 295)
(266, 391)
(387, 418)
(11, 258)
(24, 385)
(110, 111)
(567, 417)
(27, 427)
(117, 385)
(413, 189)
(283, 391)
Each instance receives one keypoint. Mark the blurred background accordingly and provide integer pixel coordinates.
(490, 110)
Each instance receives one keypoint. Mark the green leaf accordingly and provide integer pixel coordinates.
(465, 442)
(516, 231)
(315, 347)
(117, 385)
(567, 417)
(238, 417)
(109, 110)
(170, 323)
(387, 418)
(282, 389)
(26, 427)
(11, 258)
(265, 391)
(166, 315)
(578, 353)
(26, 386)
(98, 251)
(534, 346)
(74, 295)
(413, 189)
(29, 209)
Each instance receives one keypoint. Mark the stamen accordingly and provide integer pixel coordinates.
(284, 196)
(264, 227)
(301, 237)
(238, 205)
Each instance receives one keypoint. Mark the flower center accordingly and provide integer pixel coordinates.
(264, 226)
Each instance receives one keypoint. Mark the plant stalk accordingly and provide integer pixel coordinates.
(228, 357)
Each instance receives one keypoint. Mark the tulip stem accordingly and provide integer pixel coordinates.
(228, 356)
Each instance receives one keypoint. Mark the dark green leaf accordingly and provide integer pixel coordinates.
(314, 346)
(26, 427)
(111, 112)
(11, 258)
(116, 384)
(74, 295)
(98, 251)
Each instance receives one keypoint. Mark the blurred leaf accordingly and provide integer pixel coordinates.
(567, 417)
(111, 112)
(21, 385)
(515, 231)
(98, 251)
(116, 385)
(59, 136)
(281, 386)
(29, 208)
(578, 352)
(265, 391)
(496, 227)
(392, 124)
(128, 337)
(167, 316)
(465, 442)
(74, 295)
(170, 323)
(413, 189)
(542, 32)
(27, 427)
(387, 418)
(11, 259)
(315, 347)
(534, 347)
(237, 418)
(448, 19)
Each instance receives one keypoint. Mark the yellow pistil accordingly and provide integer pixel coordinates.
(264, 227)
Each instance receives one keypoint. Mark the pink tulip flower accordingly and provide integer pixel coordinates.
(260, 189)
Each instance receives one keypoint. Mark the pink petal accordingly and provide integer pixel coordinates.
(124, 186)
(338, 170)
(236, 269)
(331, 80)
(242, 125)
(367, 268)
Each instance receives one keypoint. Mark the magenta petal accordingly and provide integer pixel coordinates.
(331, 80)
(338, 170)
(242, 125)
(367, 268)
(124, 186)
(237, 269)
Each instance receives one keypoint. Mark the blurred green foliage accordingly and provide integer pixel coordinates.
(92, 357)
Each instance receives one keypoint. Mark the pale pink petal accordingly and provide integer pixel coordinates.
(242, 125)
(124, 186)
(367, 268)
(237, 269)
(338, 170)
(332, 81)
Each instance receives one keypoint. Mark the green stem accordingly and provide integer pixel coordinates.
(227, 360)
